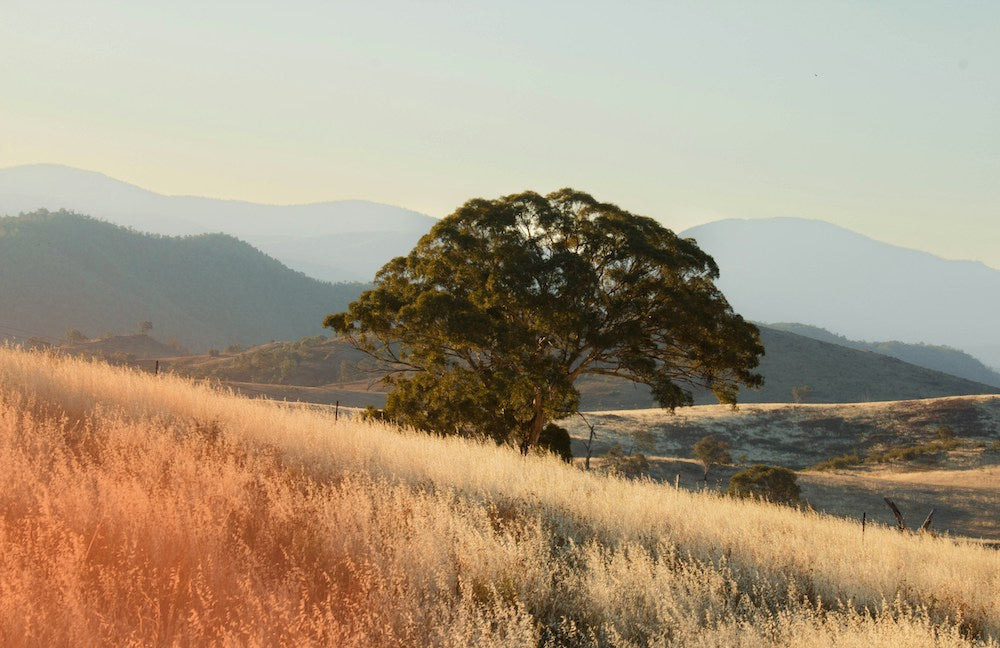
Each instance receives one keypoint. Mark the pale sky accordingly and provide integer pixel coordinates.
(883, 117)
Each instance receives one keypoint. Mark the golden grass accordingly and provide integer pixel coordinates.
(142, 510)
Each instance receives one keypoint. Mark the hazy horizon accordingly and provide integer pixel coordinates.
(879, 118)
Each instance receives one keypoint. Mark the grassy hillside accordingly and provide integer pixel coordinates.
(799, 436)
(60, 271)
(142, 510)
(939, 453)
(940, 358)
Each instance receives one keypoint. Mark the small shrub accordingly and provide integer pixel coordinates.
(616, 462)
(555, 439)
(770, 483)
(837, 463)
(374, 415)
(213, 353)
(909, 453)
(944, 433)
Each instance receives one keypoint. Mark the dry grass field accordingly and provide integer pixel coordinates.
(140, 510)
(961, 484)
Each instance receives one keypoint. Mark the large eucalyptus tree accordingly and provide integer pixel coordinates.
(496, 313)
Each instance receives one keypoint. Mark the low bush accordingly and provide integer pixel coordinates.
(769, 483)
(908, 453)
(837, 463)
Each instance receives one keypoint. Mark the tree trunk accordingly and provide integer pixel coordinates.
(537, 424)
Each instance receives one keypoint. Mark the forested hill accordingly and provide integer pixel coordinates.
(61, 271)
(940, 358)
(796, 367)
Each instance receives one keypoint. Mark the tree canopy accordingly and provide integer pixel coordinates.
(490, 320)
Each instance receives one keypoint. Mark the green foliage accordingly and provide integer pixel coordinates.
(945, 440)
(555, 439)
(616, 462)
(75, 336)
(371, 413)
(770, 483)
(911, 452)
(712, 451)
(491, 319)
(836, 463)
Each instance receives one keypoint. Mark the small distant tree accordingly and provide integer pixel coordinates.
(770, 483)
(145, 327)
(75, 336)
(712, 451)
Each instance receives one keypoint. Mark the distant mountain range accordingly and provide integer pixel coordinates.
(796, 270)
(61, 271)
(334, 241)
(772, 270)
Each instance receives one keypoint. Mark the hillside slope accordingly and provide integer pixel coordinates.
(178, 515)
(345, 240)
(819, 372)
(939, 358)
(798, 270)
(60, 271)
(894, 449)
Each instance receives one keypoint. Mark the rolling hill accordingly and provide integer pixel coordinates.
(819, 372)
(334, 241)
(940, 358)
(797, 270)
(61, 271)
